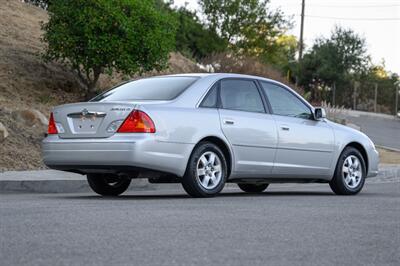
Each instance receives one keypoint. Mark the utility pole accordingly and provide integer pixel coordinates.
(334, 94)
(376, 96)
(396, 101)
(355, 95)
(301, 29)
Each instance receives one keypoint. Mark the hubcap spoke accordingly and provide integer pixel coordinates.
(211, 160)
(217, 168)
(345, 169)
(213, 179)
(201, 171)
(203, 160)
(206, 180)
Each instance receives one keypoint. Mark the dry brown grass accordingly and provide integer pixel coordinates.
(389, 157)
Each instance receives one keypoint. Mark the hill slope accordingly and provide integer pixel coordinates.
(29, 83)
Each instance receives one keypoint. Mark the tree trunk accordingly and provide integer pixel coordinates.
(91, 85)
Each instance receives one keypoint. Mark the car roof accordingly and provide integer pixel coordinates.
(219, 75)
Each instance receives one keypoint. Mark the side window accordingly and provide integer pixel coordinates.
(241, 95)
(211, 98)
(284, 102)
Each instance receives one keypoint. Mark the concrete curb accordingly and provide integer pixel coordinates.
(388, 148)
(50, 181)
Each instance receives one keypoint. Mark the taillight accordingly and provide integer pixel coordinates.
(52, 128)
(137, 122)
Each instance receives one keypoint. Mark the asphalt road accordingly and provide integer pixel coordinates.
(383, 131)
(287, 225)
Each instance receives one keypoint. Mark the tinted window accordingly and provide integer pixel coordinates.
(211, 99)
(161, 88)
(241, 95)
(284, 102)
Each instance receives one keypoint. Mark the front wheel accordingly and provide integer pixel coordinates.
(108, 185)
(350, 173)
(253, 188)
(206, 172)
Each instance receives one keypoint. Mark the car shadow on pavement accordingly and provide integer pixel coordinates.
(277, 193)
(238, 194)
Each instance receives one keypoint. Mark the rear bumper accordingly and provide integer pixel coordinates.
(120, 152)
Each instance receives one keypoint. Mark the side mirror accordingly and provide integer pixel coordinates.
(319, 113)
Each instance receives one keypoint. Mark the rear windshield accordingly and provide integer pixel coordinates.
(160, 88)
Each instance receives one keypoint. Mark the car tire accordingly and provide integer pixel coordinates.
(206, 171)
(252, 188)
(350, 172)
(108, 185)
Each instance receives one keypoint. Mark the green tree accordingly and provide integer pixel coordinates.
(281, 53)
(334, 60)
(386, 83)
(98, 36)
(247, 24)
(193, 38)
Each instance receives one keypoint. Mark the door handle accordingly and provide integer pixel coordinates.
(286, 128)
(229, 122)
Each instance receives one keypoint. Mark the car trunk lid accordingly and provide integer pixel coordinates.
(91, 119)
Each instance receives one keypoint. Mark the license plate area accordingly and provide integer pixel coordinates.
(85, 125)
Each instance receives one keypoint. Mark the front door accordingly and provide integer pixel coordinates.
(250, 130)
(305, 146)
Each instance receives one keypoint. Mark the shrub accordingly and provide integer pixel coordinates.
(98, 36)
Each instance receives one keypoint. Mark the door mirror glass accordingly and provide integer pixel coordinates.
(319, 113)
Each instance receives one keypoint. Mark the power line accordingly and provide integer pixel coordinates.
(344, 6)
(363, 19)
(354, 6)
(347, 2)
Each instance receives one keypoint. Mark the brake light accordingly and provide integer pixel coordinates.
(52, 128)
(137, 122)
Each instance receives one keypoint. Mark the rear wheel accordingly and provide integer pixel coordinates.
(350, 173)
(253, 188)
(107, 184)
(206, 171)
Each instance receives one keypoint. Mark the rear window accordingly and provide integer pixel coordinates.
(160, 88)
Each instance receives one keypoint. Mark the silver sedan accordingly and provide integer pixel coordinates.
(203, 130)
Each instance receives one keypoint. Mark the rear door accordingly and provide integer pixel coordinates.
(305, 146)
(248, 127)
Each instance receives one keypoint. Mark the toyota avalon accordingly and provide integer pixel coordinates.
(204, 130)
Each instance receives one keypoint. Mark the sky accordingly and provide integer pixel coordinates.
(376, 20)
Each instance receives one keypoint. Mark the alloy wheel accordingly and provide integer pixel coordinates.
(209, 170)
(352, 171)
